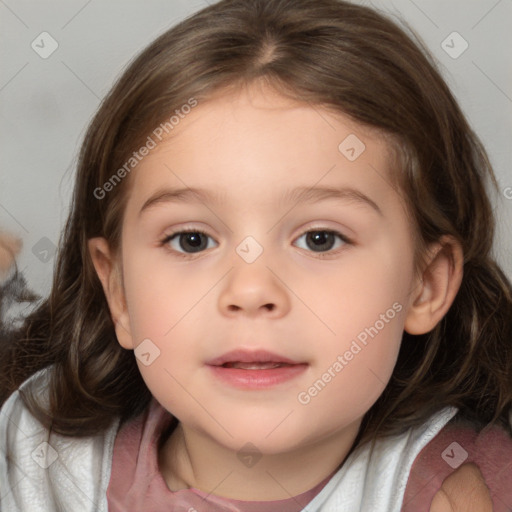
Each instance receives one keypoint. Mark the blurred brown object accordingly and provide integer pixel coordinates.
(10, 247)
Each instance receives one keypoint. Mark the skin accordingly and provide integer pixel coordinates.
(463, 491)
(252, 146)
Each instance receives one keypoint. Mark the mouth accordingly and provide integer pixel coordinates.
(252, 360)
(255, 366)
(255, 370)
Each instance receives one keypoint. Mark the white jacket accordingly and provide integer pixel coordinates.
(43, 472)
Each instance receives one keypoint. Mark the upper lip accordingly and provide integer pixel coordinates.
(250, 356)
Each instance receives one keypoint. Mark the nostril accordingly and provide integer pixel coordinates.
(234, 307)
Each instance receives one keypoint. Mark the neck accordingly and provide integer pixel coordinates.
(191, 459)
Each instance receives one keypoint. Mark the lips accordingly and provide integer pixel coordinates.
(256, 370)
(252, 360)
(254, 366)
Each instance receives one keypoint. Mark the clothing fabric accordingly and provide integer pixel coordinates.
(456, 444)
(42, 471)
(136, 481)
(137, 484)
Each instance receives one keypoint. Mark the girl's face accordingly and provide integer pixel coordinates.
(334, 300)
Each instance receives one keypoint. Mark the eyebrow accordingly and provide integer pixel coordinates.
(296, 195)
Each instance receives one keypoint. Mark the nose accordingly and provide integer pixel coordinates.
(253, 289)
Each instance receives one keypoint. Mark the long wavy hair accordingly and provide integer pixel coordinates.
(329, 54)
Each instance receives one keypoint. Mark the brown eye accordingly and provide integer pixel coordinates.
(188, 242)
(322, 240)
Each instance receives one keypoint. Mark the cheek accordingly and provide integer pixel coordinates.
(159, 295)
(356, 365)
(365, 311)
(163, 316)
(168, 307)
(363, 288)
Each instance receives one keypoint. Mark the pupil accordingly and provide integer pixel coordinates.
(193, 240)
(324, 238)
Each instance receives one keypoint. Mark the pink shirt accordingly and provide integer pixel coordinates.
(137, 484)
(456, 444)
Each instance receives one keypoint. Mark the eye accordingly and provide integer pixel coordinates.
(322, 240)
(190, 241)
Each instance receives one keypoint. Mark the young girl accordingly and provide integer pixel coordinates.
(275, 288)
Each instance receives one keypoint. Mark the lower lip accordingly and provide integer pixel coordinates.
(257, 379)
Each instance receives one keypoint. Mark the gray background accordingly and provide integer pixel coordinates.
(46, 104)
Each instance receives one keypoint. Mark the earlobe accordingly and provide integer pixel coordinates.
(440, 281)
(109, 274)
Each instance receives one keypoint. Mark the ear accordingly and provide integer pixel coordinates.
(437, 287)
(108, 269)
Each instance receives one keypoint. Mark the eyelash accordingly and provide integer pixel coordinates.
(322, 255)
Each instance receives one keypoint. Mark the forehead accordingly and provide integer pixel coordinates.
(259, 141)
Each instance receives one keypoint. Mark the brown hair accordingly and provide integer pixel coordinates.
(332, 54)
